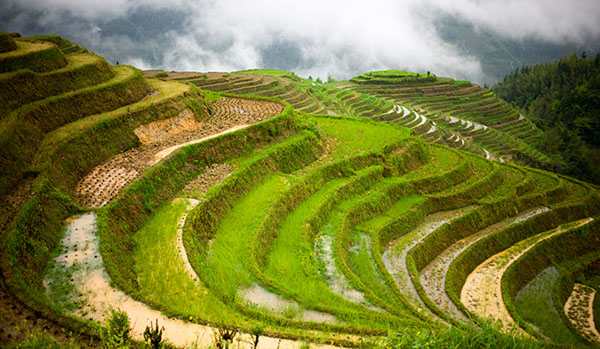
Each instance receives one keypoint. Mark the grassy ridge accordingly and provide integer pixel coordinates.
(24, 129)
(573, 243)
(7, 43)
(26, 86)
(119, 220)
(37, 56)
(462, 266)
(28, 247)
(30, 241)
(396, 77)
(72, 151)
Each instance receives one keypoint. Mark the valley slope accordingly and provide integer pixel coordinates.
(394, 209)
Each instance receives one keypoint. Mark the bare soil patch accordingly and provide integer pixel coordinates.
(433, 276)
(482, 291)
(394, 255)
(210, 177)
(161, 138)
(579, 309)
(161, 130)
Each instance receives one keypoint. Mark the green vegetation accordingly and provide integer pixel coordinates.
(36, 56)
(300, 226)
(26, 86)
(572, 244)
(115, 332)
(7, 43)
(393, 77)
(489, 337)
(161, 276)
(270, 72)
(562, 98)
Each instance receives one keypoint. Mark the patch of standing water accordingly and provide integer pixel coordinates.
(97, 295)
(433, 276)
(363, 244)
(537, 294)
(405, 111)
(394, 255)
(482, 292)
(276, 304)
(336, 280)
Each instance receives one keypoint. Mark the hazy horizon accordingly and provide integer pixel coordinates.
(340, 38)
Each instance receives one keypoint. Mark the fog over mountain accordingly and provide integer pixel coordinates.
(477, 40)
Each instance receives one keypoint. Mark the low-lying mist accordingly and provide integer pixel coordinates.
(316, 38)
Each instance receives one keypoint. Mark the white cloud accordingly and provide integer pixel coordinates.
(549, 20)
(338, 37)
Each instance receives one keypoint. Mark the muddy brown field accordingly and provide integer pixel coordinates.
(106, 181)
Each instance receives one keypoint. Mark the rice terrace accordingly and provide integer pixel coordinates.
(260, 209)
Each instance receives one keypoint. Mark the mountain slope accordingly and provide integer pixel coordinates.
(563, 99)
(210, 210)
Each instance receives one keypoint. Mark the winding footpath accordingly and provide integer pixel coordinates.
(482, 291)
(433, 276)
(394, 255)
(97, 295)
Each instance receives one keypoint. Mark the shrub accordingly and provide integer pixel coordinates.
(7, 43)
(256, 332)
(154, 336)
(115, 332)
(223, 337)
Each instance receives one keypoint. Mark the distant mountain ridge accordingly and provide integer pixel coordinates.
(146, 37)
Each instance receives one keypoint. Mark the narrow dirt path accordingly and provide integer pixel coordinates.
(161, 138)
(482, 291)
(579, 309)
(165, 152)
(433, 276)
(98, 296)
(210, 177)
(394, 255)
(92, 286)
(180, 247)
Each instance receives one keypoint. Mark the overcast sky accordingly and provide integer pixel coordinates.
(316, 38)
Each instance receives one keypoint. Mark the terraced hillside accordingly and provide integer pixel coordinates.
(466, 110)
(225, 216)
(458, 114)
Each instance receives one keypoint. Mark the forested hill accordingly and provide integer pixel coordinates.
(563, 99)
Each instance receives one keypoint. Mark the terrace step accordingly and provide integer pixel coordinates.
(37, 56)
(433, 276)
(482, 293)
(82, 70)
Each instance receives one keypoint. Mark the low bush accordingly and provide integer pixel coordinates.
(7, 43)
